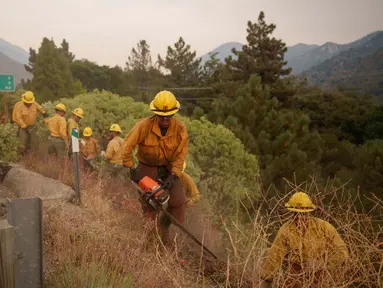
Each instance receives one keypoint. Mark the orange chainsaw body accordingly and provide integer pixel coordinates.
(148, 185)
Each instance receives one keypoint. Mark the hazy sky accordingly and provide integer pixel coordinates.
(105, 31)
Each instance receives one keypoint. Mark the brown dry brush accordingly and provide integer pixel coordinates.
(362, 233)
(103, 241)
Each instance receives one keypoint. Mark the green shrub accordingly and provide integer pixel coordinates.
(8, 143)
(217, 160)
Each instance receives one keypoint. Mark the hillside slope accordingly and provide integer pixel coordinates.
(326, 51)
(223, 51)
(14, 52)
(358, 67)
(9, 66)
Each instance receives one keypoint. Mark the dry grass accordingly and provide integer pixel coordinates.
(101, 243)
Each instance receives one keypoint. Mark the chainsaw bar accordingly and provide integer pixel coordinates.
(159, 207)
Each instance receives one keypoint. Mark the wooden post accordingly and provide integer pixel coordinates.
(7, 258)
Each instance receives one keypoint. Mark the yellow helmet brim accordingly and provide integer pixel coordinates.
(301, 210)
(28, 102)
(87, 134)
(164, 113)
(74, 113)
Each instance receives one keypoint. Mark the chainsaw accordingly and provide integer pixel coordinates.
(155, 197)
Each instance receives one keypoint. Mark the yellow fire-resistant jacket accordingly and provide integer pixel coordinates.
(320, 244)
(72, 124)
(155, 149)
(91, 146)
(190, 187)
(57, 127)
(26, 116)
(114, 150)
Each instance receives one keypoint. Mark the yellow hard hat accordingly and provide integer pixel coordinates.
(28, 97)
(184, 167)
(115, 128)
(165, 104)
(60, 107)
(78, 112)
(300, 202)
(87, 132)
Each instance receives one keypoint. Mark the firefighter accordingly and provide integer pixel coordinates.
(313, 246)
(113, 153)
(24, 115)
(89, 147)
(58, 139)
(191, 190)
(162, 144)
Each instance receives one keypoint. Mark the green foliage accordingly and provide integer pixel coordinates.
(52, 77)
(217, 160)
(262, 55)
(227, 172)
(279, 137)
(8, 143)
(184, 68)
(342, 114)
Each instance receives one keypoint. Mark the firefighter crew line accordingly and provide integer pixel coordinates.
(162, 145)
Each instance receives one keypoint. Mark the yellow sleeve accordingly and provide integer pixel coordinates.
(63, 130)
(134, 137)
(40, 108)
(338, 253)
(97, 147)
(275, 256)
(110, 150)
(182, 150)
(71, 125)
(190, 187)
(17, 117)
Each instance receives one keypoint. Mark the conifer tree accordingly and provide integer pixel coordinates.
(52, 78)
(262, 55)
(140, 63)
(182, 64)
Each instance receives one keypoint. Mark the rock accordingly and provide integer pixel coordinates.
(25, 183)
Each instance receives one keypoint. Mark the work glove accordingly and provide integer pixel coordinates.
(102, 154)
(168, 183)
(134, 175)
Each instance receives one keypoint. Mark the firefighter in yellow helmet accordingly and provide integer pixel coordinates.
(162, 143)
(113, 153)
(89, 147)
(77, 115)
(313, 246)
(191, 190)
(24, 115)
(58, 139)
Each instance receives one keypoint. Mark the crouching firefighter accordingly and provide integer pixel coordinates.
(162, 143)
(314, 248)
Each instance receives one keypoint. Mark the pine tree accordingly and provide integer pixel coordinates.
(279, 137)
(52, 78)
(263, 55)
(140, 63)
(32, 60)
(182, 64)
(65, 51)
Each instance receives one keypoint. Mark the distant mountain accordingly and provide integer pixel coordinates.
(10, 66)
(14, 52)
(360, 66)
(324, 52)
(298, 50)
(223, 51)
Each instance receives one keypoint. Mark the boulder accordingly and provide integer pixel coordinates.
(24, 183)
